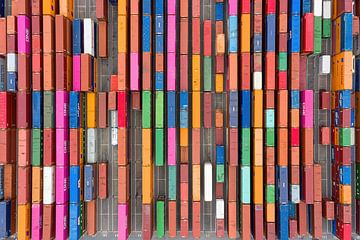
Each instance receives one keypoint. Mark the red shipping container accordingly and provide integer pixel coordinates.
(219, 190)
(294, 71)
(270, 156)
(343, 155)
(184, 228)
(102, 113)
(195, 8)
(295, 175)
(11, 26)
(184, 192)
(101, 9)
(308, 184)
(282, 109)
(357, 221)
(9, 180)
(232, 191)
(343, 230)
(270, 64)
(7, 146)
(3, 36)
(220, 64)
(344, 213)
(317, 220)
(49, 147)
(61, 72)
(270, 174)
(195, 37)
(7, 110)
(257, 59)
(283, 6)
(307, 38)
(196, 219)
(258, 20)
(147, 227)
(23, 109)
(103, 180)
(184, 208)
(302, 223)
(207, 110)
(232, 227)
(37, 82)
(307, 143)
(293, 228)
(303, 71)
(112, 101)
(37, 62)
(220, 227)
(103, 40)
(282, 80)
(295, 137)
(24, 72)
(328, 209)
(269, 99)
(343, 6)
(36, 25)
(219, 136)
(184, 173)
(91, 217)
(245, 6)
(325, 100)
(48, 221)
(207, 37)
(295, 156)
(282, 42)
(24, 147)
(245, 70)
(11, 43)
(245, 218)
(74, 147)
(85, 72)
(184, 72)
(122, 109)
(24, 185)
(270, 6)
(123, 184)
(233, 146)
(184, 36)
(258, 222)
(345, 118)
(325, 135)
(270, 231)
(172, 219)
(258, 7)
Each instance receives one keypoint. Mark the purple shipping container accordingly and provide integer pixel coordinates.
(62, 109)
(307, 108)
(62, 185)
(171, 71)
(36, 221)
(76, 73)
(123, 228)
(171, 146)
(24, 34)
(62, 148)
(134, 71)
(61, 222)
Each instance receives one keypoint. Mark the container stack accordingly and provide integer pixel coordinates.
(343, 133)
(89, 87)
(219, 119)
(147, 160)
(233, 122)
(7, 142)
(37, 123)
(195, 112)
(258, 110)
(20, 63)
(102, 17)
(171, 114)
(122, 88)
(76, 139)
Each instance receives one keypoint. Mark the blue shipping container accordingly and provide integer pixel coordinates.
(159, 25)
(159, 43)
(11, 82)
(77, 37)
(345, 175)
(257, 42)
(37, 109)
(184, 119)
(74, 222)
(295, 7)
(282, 180)
(220, 154)
(294, 33)
(89, 190)
(5, 219)
(146, 6)
(74, 109)
(146, 35)
(295, 99)
(74, 184)
(233, 34)
(245, 108)
(184, 100)
(270, 32)
(219, 11)
(233, 109)
(159, 7)
(2, 8)
(346, 42)
(159, 81)
(306, 6)
(283, 221)
(171, 109)
(345, 99)
(1, 182)
(357, 74)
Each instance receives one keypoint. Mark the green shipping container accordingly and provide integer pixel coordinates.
(245, 191)
(49, 109)
(326, 28)
(160, 218)
(220, 173)
(159, 112)
(159, 147)
(36, 147)
(317, 34)
(269, 118)
(270, 137)
(146, 109)
(245, 146)
(345, 137)
(270, 193)
(282, 66)
(207, 73)
(172, 182)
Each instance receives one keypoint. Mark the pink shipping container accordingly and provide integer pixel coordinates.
(61, 231)
(36, 221)
(171, 6)
(76, 73)
(134, 71)
(233, 7)
(171, 71)
(24, 34)
(171, 146)
(62, 109)
(62, 148)
(307, 107)
(171, 39)
(123, 228)
(62, 185)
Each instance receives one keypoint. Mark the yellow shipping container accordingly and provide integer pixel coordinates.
(122, 7)
(196, 193)
(23, 221)
(258, 108)
(196, 109)
(196, 73)
(49, 7)
(146, 147)
(67, 8)
(122, 34)
(258, 146)
(147, 184)
(245, 32)
(270, 212)
(184, 137)
(258, 185)
(219, 83)
(345, 194)
(91, 109)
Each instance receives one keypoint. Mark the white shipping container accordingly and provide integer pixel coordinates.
(327, 9)
(352, 136)
(257, 80)
(114, 136)
(208, 182)
(114, 119)
(49, 185)
(91, 145)
(295, 193)
(324, 64)
(89, 36)
(12, 62)
(220, 209)
(317, 8)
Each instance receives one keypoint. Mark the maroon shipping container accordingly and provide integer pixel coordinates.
(7, 110)
(147, 225)
(219, 136)
(24, 185)
(49, 147)
(24, 72)
(308, 184)
(258, 222)
(270, 231)
(7, 146)
(23, 109)
(36, 25)
(220, 227)
(196, 146)
(317, 220)
(328, 209)
(184, 173)
(207, 110)
(48, 228)
(103, 180)
(233, 147)
(293, 228)
(11, 45)
(219, 192)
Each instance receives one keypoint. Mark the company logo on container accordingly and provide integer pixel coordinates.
(65, 184)
(65, 109)
(66, 146)
(27, 35)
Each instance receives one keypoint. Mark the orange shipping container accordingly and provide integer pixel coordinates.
(245, 218)
(24, 140)
(232, 191)
(123, 184)
(85, 72)
(37, 185)
(48, 230)
(282, 146)
(67, 8)
(270, 212)
(50, 7)
(282, 108)
(172, 219)
(103, 180)
(307, 150)
(122, 146)
(3, 36)
(233, 71)
(9, 180)
(23, 221)
(257, 108)
(123, 72)
(232, 228)
(258, 185)
(196, 180)
(48, 34)
(258, 147)
(147, 186)
(91, 217)
(146, 147)
(49, 72)
(103, 40)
